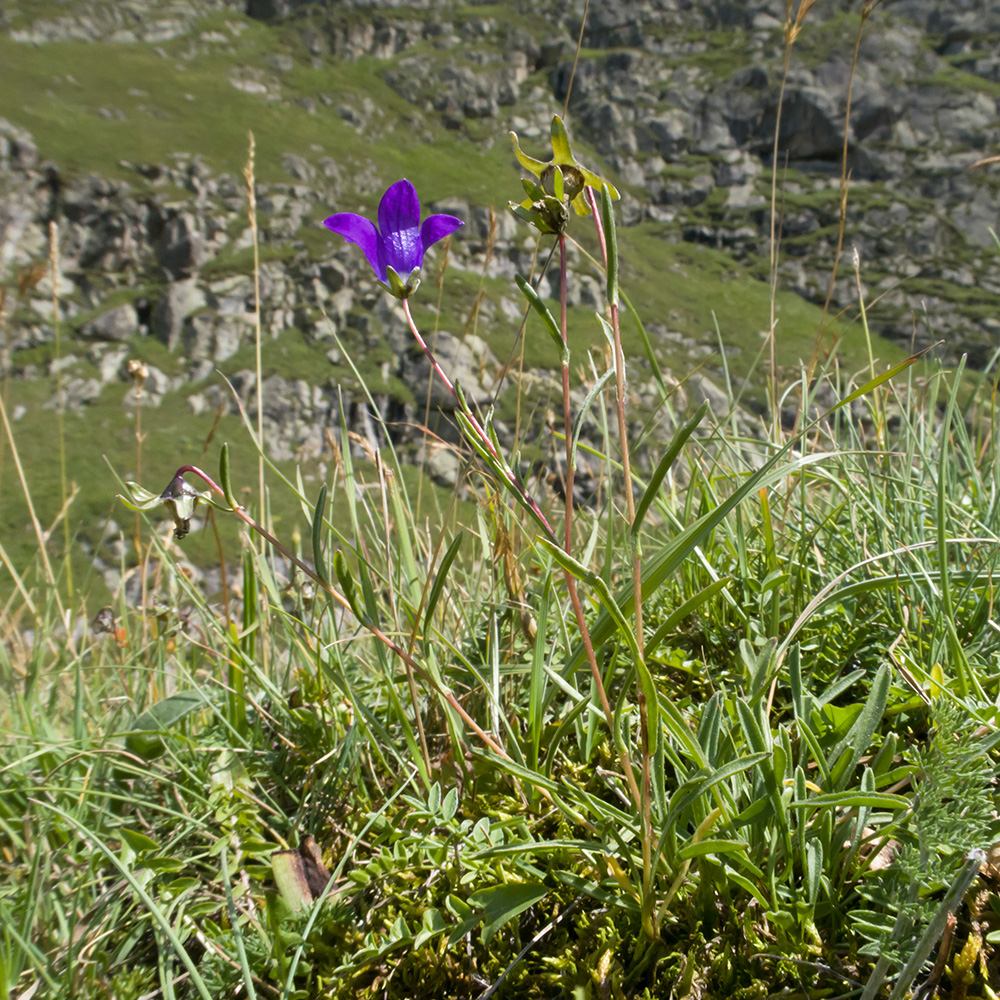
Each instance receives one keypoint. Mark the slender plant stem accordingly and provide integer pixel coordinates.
(248, 175)
(773, 237)
(567, 404)
(510, 478)
(439, 282)
(40, 536)
(481, 436)
(845, 180)
(576, 58)
(645, 799)
(60, 401)
(251, 182)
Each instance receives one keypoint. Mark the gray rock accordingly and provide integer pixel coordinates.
(180, 300)
(444, 465)
(807, 132)
(667, 134)
(119, 323)
(181, 247)
(702, 389)
(158, 382)
(214, 337)
(469, 362)
(232, 295)
(269, 10)
(110, 361)
(76, 393)
(300, 168)
(17, 148)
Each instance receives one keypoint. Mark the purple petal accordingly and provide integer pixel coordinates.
(437, 227)
(399, 221)
(401, 251)
(358, 229)
(399, 208)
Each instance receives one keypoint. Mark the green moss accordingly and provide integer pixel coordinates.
(228, 262)
(953, 78)
(118, 297)
(690, 288)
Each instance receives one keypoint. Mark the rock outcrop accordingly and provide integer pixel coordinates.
(681, 99)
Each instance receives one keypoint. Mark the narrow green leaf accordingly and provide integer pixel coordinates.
(536, 303)
(879, 380)
(663, 466)
(537, 685)
(225, 480)
(139, 842)
(317, 535)
(745, 883)
(704, 847)
(751, 729)
(440, 578)
(795, 684)
(346, 581)
(845, 756)
(234, 923)
(584, 410)
(647, 346)
(846, 800)
(144, 738)
(813, 869)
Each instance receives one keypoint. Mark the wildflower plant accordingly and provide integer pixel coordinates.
(180, 499)
(725, 806)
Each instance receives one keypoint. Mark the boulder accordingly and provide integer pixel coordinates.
(119, 323)
(181, 247)
(179, 300)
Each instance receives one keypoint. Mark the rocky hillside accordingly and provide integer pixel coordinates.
(124, 123)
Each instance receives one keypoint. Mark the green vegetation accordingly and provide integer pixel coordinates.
(723, 725)
(820, 644)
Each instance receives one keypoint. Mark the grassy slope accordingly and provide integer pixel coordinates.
(328, 739)
(177, 98)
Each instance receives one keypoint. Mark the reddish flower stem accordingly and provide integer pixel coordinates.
(646, 799)
(512, 481)
(567, 411)
(510, 477)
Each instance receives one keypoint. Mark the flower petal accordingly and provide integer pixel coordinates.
(399, 209)
(437, 227)
(358, 229)
(580, 205)
(401, 250)
(592, 180)
(399, 224)
(561, 152)
(528, 162)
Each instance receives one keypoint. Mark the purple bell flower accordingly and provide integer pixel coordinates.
(396, 248)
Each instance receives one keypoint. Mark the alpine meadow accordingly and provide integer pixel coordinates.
(499, 499)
